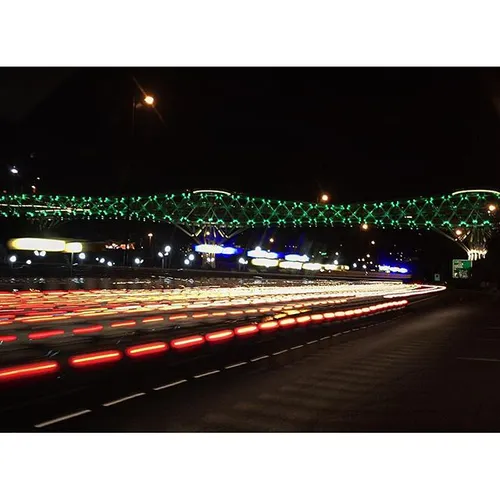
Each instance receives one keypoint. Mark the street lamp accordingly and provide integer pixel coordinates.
(492, 208)
(14, 170)
(324, 198)
(271, 240)
(458, 232)
(191, 257)
(372, 242)
(162, 257)
(149, 100)
(364, 226)
(82, 256)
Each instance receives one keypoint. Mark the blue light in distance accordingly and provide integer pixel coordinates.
(393, 269)
(215, 249)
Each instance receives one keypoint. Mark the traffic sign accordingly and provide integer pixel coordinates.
(461, 268)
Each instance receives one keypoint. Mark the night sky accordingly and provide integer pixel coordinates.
(360, 134)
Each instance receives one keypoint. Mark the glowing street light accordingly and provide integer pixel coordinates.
(14, 170)
(82, 256)
(149, 100)
(492, 208)
(372, 242)
(191, 257)
(324, 198)
(271, 240)
(168, 249)
(12, 259)
(187, 262)
(364, 226)
(458, 232)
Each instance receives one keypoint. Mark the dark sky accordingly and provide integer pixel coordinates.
(361, 134)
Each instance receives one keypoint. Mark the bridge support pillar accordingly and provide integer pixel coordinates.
(209, 234)
(473, 241)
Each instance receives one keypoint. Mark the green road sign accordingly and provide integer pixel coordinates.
(461, 268)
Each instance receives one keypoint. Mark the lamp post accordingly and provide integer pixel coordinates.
(14, 171)
(147, 101)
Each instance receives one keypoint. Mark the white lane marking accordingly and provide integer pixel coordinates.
(259, 358)
(324, 338)
(61, 419)
(296, 347)
(279, 352)
(337, 334)
(493, 360)
(172, 384)
(206, 374)
(126, 398)
(311, 342)
(228, 367)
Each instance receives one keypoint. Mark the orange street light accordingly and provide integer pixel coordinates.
(458, 232)
(149, 100)
(364, 226)
(492, 207)
(324, 198)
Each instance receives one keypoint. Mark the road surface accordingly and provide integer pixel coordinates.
(429, 367)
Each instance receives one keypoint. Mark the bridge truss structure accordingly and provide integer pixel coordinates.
(466, 217)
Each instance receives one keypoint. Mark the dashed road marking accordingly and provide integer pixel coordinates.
(259, 358)
(228, 367)
(325, 338)
(311, 342)
(172, 384)
(122, 400)
(296, 347)
(277, 353)
(61, 419)
(206, 374)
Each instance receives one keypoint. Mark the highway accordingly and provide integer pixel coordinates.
(428, 366)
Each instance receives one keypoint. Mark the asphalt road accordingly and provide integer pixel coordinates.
(431, 367)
